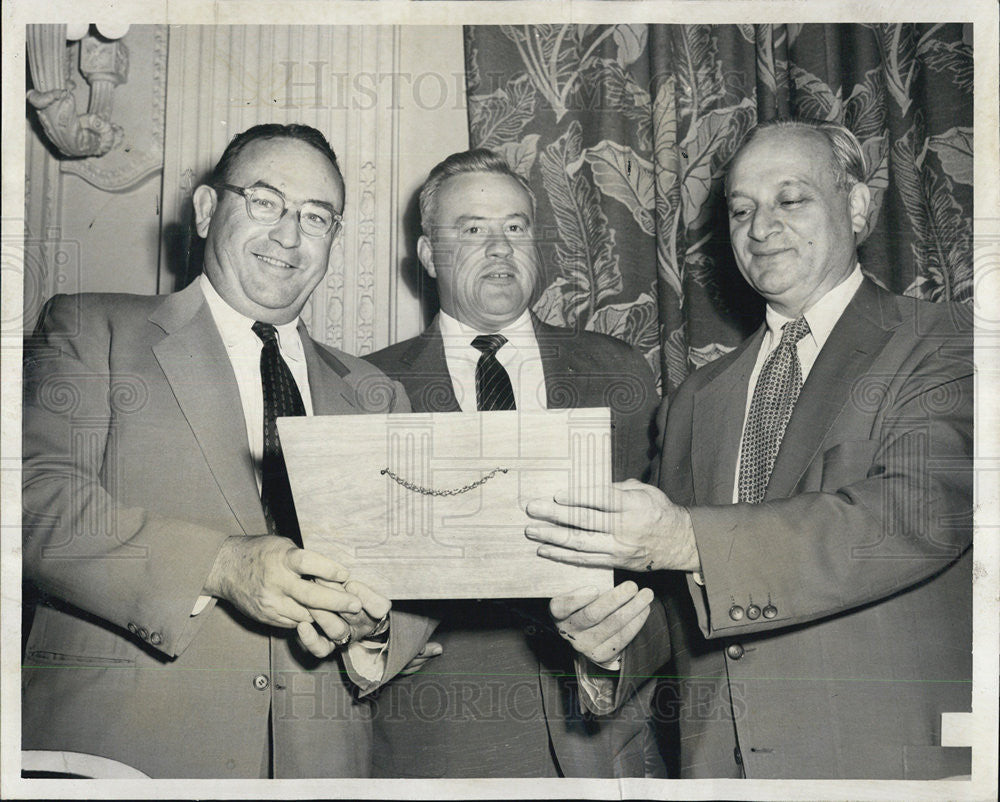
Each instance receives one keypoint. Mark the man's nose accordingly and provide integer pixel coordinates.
(763, 224)
(286, 231)
(499, 245)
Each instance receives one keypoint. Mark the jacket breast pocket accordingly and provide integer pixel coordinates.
(847, 462)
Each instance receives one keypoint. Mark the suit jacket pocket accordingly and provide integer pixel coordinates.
(846, 463)
(62, 638)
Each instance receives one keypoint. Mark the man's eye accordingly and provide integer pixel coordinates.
(263, 203)
(315, 217)
(516, 228)
(789, 202)
(472, 230)
(739, 214)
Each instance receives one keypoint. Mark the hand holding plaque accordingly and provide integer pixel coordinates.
(330, 631)
(632, 526)
(600, 625)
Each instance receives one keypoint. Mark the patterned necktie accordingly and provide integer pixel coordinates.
(281, 398)
(773, 399)
(493, 388)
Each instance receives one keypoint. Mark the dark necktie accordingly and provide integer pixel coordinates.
(493, 388)
(281, 399)
(773, 399)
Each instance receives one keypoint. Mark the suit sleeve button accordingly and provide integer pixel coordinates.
(260, 682)
(132, 628)
(155, 638)
(735, 651)
(736, 612)
(143, 633)
(753, 612)
(770, 611)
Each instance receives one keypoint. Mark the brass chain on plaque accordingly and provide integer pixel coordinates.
(430, 491)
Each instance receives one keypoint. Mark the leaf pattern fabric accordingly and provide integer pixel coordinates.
(625, 133)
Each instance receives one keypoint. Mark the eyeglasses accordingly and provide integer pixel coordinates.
(268, 206)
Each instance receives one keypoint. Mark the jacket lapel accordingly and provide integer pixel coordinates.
(195, 363)
(428, 383)
(331, 394)
(719, 408)
(858, 337)
(568, 371)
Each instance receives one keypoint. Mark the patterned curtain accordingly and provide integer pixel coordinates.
(625, 132)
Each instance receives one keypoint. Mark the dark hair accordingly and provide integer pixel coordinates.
(480, 160)
(303, 133)
(847, 156)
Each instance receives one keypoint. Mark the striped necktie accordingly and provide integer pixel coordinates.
(493, 387)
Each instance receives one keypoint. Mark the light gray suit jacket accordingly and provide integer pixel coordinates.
(136, 468)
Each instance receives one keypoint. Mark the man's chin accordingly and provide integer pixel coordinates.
(277, 311)
(769, 278)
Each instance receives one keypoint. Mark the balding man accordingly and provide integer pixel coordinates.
(814, 505)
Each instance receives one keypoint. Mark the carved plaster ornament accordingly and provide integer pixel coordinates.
(103, 62)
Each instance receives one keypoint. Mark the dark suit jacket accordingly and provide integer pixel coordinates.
(489, 705)
(136, 468)
(861, 546)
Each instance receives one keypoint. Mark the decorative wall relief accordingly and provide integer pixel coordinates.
(139, 111)
(105, 65)
(112, 156)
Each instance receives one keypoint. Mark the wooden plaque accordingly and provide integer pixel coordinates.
(431, 505)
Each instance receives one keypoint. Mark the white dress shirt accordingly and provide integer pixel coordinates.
(822, 316)
(519, 356)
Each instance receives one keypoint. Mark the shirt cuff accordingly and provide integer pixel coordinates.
(200, 604)
(368, 658)
(611, 665)
(698, 578)
(598, 690)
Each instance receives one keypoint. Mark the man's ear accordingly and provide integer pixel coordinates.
(858, 200)
(425, 252)
(204, 200)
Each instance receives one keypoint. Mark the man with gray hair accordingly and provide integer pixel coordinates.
(814, 500)
(504, 697)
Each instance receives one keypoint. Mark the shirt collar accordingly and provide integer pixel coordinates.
(823, 315)
(454, 331)
(234, 326)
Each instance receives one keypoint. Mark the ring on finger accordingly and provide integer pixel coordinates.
(342, 642)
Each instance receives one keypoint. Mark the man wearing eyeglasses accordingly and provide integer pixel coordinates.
(185, 632)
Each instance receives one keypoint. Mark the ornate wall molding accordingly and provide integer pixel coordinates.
(50, 264)
(91, 133)
(141, 110)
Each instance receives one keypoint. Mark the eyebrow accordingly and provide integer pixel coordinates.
(473, 218)
(323, 203)
(786, 183)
